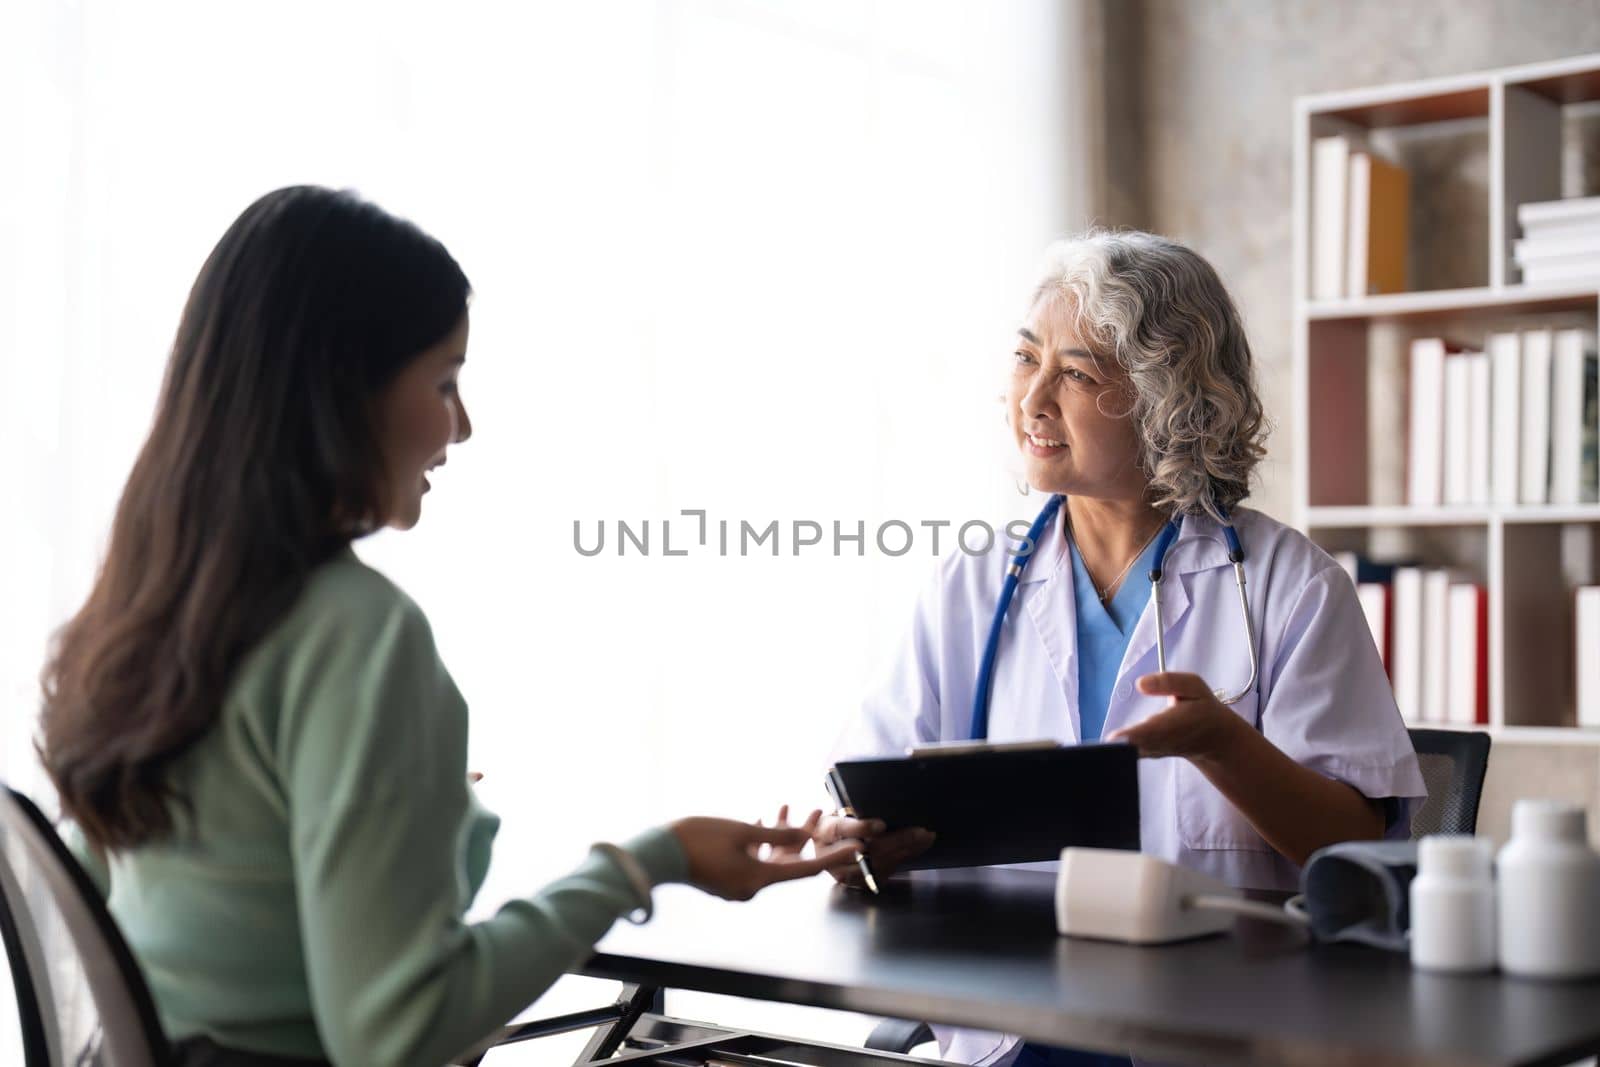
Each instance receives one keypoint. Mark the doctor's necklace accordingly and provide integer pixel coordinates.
(1106, 593)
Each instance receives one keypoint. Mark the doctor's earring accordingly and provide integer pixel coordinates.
(1023, 488)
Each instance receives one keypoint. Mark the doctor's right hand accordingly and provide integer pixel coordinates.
(885, 850)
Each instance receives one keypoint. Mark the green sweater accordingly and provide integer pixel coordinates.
(311, 901)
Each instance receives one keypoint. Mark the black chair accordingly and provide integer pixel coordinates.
(81, 998)
(1454, 763)
(50, 899)
(21, 945)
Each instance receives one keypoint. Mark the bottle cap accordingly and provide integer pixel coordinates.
(1549, 820)
(1453, 856)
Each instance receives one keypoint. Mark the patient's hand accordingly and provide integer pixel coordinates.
(782, 822)
(723, 856)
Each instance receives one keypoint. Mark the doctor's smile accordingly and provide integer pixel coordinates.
(1039, 445)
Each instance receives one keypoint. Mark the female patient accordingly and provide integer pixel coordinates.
(256, 728)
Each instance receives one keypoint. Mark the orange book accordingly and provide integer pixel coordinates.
(1379, 223)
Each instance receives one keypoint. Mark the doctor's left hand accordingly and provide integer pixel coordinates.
(1195, 725)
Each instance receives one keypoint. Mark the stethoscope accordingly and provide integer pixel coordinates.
(980, 698)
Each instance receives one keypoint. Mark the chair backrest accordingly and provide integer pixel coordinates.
(1454, 763)
(40, 1047)
(127, 1031)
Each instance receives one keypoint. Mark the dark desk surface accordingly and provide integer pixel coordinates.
(980, 948)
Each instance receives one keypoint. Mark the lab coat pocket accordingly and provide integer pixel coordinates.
(1206, 820)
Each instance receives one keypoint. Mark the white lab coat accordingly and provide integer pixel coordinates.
(1322, 695)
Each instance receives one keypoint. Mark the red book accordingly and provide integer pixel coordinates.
(1467, 682)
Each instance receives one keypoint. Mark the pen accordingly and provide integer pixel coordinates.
(842, 803)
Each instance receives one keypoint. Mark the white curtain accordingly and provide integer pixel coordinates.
(760, 259)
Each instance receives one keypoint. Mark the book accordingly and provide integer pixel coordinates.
(1375, 605)
(1557, 244)
(1550, 215)
(1533, 481)
(1467, 687)
(1565, 269)
(1587, 635)
(1405, 642)
(1478, 450)
(1425, 429)
(1330, 173)
(1362, 570)
(1457, 430)
(1435, 646)
(1569, 374)
(1505, 415)
(1589, 450)
(1379, 195)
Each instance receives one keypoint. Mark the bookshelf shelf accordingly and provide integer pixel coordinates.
(1504, 132)
(1333, 518)
(1532, 735)
(1554, 514)
(1441, 302)
(1545, 735)
(1563, 81)
(1359, 517)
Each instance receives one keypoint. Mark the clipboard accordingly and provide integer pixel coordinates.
(1042, 798)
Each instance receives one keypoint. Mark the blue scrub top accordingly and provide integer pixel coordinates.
(1104, 631)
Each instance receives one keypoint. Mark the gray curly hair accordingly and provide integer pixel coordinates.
(1158, 310)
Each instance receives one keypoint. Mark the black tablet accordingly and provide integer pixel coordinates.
(1002, 804)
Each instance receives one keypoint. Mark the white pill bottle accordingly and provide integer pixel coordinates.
(1549, 882)
(1452, 905)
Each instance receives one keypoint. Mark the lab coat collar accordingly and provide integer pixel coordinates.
(1200, 546)
(1051, 555)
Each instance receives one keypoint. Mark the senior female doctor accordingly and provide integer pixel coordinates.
(1132, 394)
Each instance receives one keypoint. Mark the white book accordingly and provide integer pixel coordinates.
(1374, 598)
(1588, 655)
(1330, 170)
(1568, 241)
(1571, 349)
(1505, 415)
(1406, 642)
(1562, 262)
(1425, 434)
(1554, 272)
(1358, 209)
(1534, 480)
(1589, 453)
(1461, 686)
(1348, 562)
(1478, 427)
(1550, 215)
(1435, 646)
(1457, 430)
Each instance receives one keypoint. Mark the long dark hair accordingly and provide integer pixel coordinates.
(263, 461)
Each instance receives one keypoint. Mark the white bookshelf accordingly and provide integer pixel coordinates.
(1529, 558)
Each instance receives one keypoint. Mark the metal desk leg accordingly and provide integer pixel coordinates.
(634, 1002)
